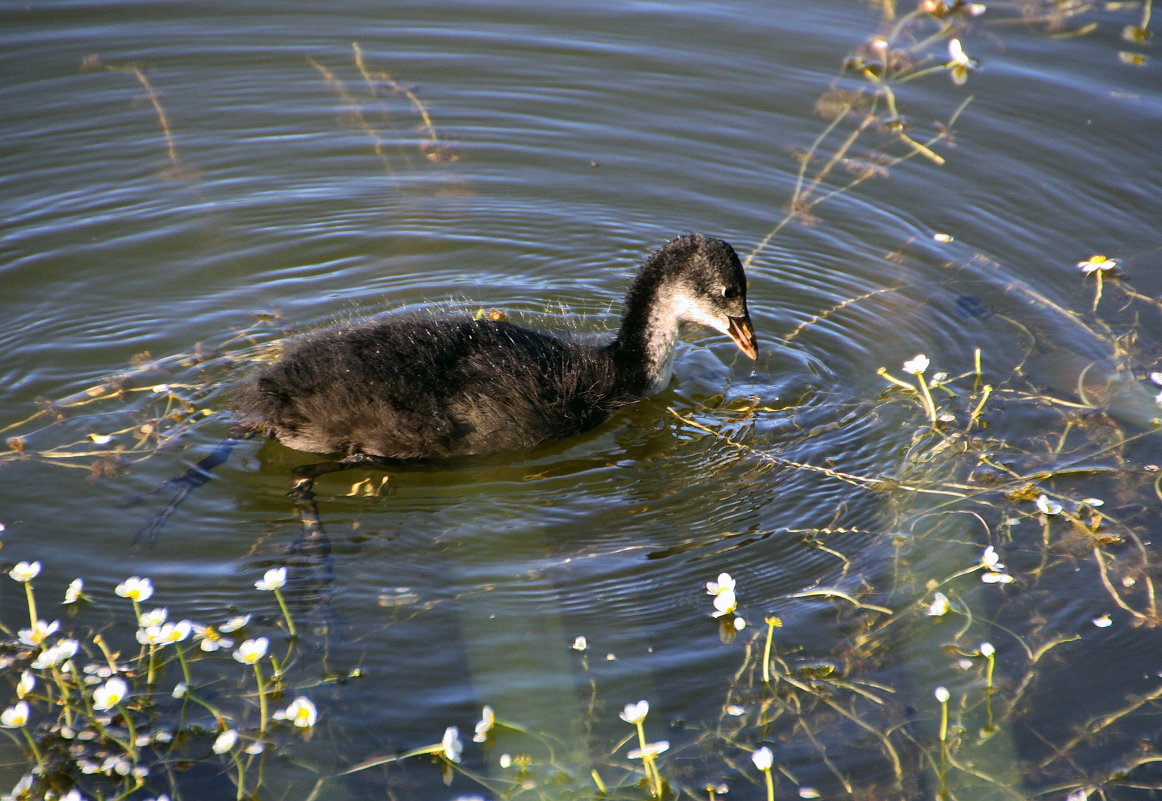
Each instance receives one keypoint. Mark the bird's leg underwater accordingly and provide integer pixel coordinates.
(313, 546)
(184, 484)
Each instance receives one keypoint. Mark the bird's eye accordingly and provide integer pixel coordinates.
(730, 292)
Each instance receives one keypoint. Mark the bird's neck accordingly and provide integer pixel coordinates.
(643, 351)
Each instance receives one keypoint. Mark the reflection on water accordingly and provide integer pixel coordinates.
(170, 174)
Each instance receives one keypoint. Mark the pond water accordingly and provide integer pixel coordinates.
(208, 178)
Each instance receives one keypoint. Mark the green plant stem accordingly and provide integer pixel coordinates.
(59, 679)
(184, 664)
(131, 748)
(929, 406)
(241, 776)
(261, 700)
(290, 624)
(33, 747)
(151, 666)
(943, 791)
(32, 617)
(770, 780)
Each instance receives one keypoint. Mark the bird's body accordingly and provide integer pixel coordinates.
(416, 386)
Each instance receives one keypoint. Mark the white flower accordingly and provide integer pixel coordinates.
(150, 635)
(25, 572)
(1096, 263)
(250, 651)
(724, 584)
(180, 690)
(1102, 622)
(650, 750)
(110, 694)
(580, 644)
(763, 759)
(165, 634)
(451, 745)
(224, 741)
(51, 657)
(1080, 794)
(942, 695)
(233, 624)
(939, 606)
(994, 570)
(738, 623)
(39, 632)
(154, 617)
(209, 638)
(26, 684)
(101, 439)
(917, 364)
(176, 632)
(959, 62)
(1046, 506)
(1156, 377)
(724, 603)
(635, 713)
(987, 649)
(301, 713)
(73, 592)
(136, 589)
(487, 721)
(273, 579)
(15, 716)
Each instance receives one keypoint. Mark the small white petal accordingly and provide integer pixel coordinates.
(763, 758)
(24, 571)
(940, 605)
(917, 364)
(225, 741)
(451, 745)
(635, 713)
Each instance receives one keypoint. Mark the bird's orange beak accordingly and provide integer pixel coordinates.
(742, 332)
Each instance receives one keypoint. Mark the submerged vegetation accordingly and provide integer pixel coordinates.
(991, 524)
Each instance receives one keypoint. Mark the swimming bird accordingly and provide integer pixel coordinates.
(417, 386)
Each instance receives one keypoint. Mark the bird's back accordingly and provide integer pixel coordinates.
(419, 387)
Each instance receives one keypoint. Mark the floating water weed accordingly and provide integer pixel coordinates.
(103, 720)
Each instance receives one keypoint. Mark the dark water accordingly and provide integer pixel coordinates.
(568, 140)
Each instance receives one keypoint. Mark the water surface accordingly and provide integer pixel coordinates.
(565, 142)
